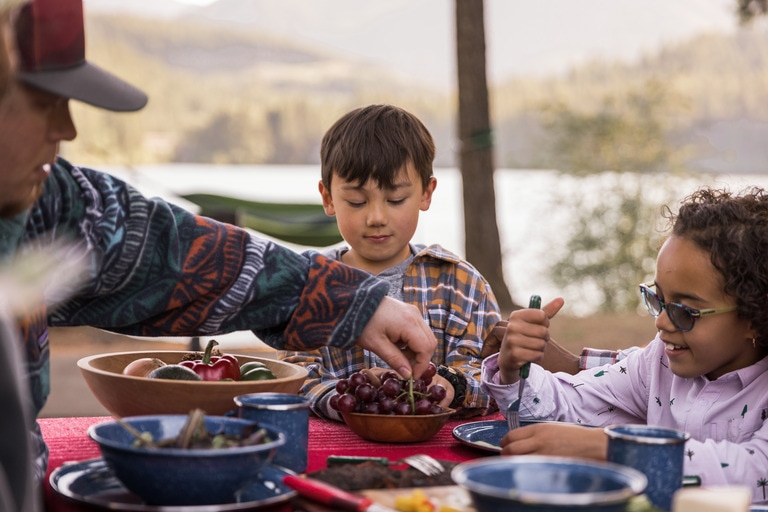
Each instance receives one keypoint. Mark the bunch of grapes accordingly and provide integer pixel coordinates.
(393, 395)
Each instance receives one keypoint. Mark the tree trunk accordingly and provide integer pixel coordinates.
(482, 245)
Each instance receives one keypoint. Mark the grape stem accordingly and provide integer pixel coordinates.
(410, 394)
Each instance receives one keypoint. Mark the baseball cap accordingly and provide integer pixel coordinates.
(50, 38)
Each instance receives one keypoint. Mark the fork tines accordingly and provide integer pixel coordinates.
(513, 415)
(425, 463)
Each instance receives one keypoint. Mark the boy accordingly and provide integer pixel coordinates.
(376, 178)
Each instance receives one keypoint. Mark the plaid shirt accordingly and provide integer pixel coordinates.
(457, 303)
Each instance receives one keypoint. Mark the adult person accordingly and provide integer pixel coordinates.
(153, 268)
(17, 484)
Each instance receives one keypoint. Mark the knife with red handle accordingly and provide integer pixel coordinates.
(331, 496)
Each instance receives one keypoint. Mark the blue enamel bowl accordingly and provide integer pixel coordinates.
(548, 484)
(174, 476)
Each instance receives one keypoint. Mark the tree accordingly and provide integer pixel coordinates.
(482, 245)
(747, 10)
(623, 146)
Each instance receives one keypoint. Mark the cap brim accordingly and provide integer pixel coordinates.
(89, 84)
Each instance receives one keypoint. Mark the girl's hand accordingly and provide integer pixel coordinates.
(561, 439)
(525, 339)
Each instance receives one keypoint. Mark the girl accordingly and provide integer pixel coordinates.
(704, 373)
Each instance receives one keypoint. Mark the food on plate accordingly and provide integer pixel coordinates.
(373, 475)
(173, 372)
(390, 395)
(143, 366)
(194, 435)
(418, 501)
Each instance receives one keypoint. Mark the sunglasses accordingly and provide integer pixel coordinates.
(681, 316)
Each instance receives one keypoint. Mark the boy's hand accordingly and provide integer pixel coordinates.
(449, 391)
(375, 373)
(525, 339)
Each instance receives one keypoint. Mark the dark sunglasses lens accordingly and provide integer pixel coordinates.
(652, 302)
(681, 318)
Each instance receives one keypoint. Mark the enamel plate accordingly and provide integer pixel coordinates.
(92, 482)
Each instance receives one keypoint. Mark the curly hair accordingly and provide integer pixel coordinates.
(733, 229)
(375, 142)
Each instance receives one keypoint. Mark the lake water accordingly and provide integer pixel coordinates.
(530, 224)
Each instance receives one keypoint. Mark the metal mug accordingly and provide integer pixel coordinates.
(656, 451)
(288, 413)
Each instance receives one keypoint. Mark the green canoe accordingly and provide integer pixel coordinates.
(298, 223)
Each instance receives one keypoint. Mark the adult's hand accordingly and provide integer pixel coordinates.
(398, 334)
(560, 439)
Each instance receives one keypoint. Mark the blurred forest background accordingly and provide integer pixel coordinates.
(225, 95)
(229, 94)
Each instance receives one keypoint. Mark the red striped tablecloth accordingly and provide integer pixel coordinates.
(68, 441)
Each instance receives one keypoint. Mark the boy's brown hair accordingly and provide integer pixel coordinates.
(375, 142)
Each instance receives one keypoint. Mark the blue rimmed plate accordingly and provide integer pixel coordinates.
(486, 435)
(93, 483)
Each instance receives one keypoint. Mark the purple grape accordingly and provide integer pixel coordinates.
(342, 386)
(403, 408)
(423, 406)
(371, 408)
(347, 403)
(391, 387)
(436, 409)
(356, 379)
(430, 372)
(387, 405)
(334, 402)
(365, 392)
(389, 374)
(436, 393)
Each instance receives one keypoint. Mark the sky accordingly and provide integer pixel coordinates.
(417, 38)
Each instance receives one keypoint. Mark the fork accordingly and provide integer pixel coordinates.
(513, 411)
(422, 463)
(425, 463)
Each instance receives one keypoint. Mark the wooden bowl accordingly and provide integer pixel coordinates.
(391, 428)
(124, 395)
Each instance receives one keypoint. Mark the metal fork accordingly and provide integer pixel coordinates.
(424, 463)
(513, 411)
